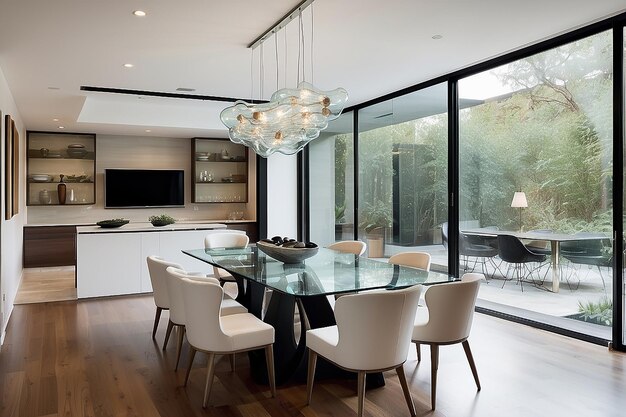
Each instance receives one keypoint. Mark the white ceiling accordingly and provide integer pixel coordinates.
(368, 47)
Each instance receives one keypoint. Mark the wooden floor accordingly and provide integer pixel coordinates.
(96, 358)
(41, 285)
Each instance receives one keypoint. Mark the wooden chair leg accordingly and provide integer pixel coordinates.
(157, 318)
(179, 346)
(192, 355)
(405, 390)
(170, 326)
(210, 368)
(434, 365)
(419, 351)
(470, 359)
(231, 359)
(310, 375)
(269, 360)
(361, 392)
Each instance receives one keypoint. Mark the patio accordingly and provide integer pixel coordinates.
(534, 302)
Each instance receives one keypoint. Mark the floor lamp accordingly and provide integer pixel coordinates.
(519, 201)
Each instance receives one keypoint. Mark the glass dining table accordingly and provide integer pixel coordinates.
(306, 285)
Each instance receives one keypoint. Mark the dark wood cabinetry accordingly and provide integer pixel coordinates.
(251, 230)
(49, 246)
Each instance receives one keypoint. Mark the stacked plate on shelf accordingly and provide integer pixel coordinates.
(76, 150)
(41, 178)
(202, 156)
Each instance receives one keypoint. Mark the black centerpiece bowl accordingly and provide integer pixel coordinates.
(113, 223)
(288, 255)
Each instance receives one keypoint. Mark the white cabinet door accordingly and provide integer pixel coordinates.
(150, 245)
(172, 244)
(108, 264)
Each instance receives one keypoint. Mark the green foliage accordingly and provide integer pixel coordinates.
(161, 220)
(597, 312)
(340, 212)
(375, 217)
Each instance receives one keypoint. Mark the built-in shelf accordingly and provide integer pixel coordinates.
(216, 168)
(77, 151)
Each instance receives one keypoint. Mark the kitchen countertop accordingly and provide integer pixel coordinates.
(181, 222)
(147, 227)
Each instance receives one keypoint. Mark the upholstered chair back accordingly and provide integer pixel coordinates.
(450, 310)
(419, 260)
(375, 328)
(158, 278)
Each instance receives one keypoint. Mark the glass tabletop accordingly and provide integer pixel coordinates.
(327, 272)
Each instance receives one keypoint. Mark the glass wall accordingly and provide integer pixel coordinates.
(331, 183)
(403, 175)
(541, 126)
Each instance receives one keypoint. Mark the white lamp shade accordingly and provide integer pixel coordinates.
(519, 200)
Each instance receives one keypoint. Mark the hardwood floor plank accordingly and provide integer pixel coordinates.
(96, 358)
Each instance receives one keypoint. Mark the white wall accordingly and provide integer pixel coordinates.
(10, 230)
(282, 195)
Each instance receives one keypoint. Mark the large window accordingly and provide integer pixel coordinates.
(403, 175)
(331, 183)
(542, 126)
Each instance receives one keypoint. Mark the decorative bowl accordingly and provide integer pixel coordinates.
(110, 224)
(159, 223)
(76, 153)
(286, 255)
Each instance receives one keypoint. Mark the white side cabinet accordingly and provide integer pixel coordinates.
(114, 263)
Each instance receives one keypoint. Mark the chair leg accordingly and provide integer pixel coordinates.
(269, 360)
(157, 318)
(434, 365)
(210, 368)
(192, 355)
(231, 359)
(179, 345)
(405, 390)
(601, 277)
(361, 392)
(170, 326)
(419, 351)
(310, 375)
(470, 359)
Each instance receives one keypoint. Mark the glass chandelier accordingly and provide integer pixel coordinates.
(293, 116)
(291, 119)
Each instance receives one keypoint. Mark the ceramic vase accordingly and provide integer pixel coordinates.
(62, 189)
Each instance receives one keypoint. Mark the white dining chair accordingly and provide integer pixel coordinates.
(156, 270)
(419, 260)
(447, 321)
(177, 302)
(373, 334)
(349, 246)
(226, 240)
(214, 334)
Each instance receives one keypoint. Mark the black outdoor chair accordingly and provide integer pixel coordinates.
(513, 251)
(589, 252)
(482, 253)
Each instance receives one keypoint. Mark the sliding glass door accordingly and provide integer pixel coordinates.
(536, 164)
(403, 175)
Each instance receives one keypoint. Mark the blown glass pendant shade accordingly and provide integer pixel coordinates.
(291, 119)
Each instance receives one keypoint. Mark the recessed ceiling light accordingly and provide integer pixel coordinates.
(55, 120)
(139, 13)
(128, 65)
(185, 89)
(148, 130)
(53, 88)
(437, 36)
(61, 127)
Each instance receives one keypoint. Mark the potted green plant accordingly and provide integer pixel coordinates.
(375, 218)
(161, 220)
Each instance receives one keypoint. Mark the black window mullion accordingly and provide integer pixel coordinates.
(453, 178)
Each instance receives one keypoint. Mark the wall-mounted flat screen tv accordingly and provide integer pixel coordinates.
(139, 188)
